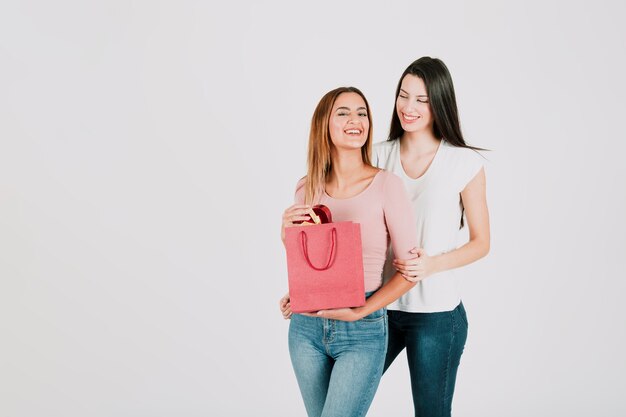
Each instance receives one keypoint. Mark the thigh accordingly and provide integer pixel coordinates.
(434, 348)
(359, 360)
(311, 365)
(396, 339)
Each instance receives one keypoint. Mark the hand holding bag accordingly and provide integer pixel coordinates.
(325, 266)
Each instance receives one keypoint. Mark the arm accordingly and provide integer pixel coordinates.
(477, 215)
(400, 221)
(297, 212)
(388, 293)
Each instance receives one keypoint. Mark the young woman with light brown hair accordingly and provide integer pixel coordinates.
(338, 361)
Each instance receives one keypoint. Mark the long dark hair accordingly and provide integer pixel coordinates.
(442, 101)
(440, 90)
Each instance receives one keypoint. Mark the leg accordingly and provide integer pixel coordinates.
(434, 346)
(396, 339)
(311, 364)
(359, 353)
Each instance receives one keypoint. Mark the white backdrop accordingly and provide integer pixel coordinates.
(148, 149)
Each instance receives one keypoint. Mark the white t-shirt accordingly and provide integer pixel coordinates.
(436, 200)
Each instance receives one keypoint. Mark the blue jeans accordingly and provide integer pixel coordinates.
(338, 364)
(434, 343)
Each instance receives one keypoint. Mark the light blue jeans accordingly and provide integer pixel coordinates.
(338, 364)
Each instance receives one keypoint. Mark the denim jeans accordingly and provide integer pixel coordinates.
(338, 364)
(434, 343)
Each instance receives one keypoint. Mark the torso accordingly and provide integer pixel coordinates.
(434, 187)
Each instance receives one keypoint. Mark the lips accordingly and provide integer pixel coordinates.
(409, 119)
(354, 132)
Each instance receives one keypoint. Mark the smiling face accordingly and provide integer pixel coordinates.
(349, 123)
(412, 105)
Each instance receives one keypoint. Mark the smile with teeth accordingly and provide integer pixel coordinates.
(353, 131)
(408, 118)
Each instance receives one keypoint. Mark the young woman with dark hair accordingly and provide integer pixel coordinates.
(445, 180)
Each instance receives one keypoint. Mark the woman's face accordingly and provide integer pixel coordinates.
(348, 124)
(412, 105)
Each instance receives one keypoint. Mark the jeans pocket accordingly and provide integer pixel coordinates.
(376, 316)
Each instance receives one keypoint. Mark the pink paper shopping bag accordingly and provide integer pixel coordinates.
(325, 266)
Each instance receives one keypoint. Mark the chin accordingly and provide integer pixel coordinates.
(412, 127)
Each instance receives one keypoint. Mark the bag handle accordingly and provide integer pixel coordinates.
(331, 257)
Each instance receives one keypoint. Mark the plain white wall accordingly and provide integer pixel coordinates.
(148, 149)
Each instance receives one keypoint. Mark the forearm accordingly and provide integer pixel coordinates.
(465, 255)
(385, 295)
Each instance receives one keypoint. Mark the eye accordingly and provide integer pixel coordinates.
(403, 96)
(363, 114)
(342, 113)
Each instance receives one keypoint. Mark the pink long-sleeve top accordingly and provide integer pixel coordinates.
(385, 214)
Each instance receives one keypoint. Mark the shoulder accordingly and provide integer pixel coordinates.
(388, 176)
(461, 155)
(386, 144)
(383, 147)
(462, 164)
(381, 152)
(390, 182)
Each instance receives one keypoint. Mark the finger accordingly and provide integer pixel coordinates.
(296, 212)
(412, 261)
(296, 218)
(299, 211)
(402, 270)
(290, 221)
(410, 278)
(296, 207)
(405, 269)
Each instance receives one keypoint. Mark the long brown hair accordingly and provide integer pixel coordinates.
(319, 161)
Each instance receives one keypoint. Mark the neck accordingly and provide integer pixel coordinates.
(419, 142)
(347, 165)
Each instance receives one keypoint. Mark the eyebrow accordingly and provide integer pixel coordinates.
(347, 108)
(419, 95)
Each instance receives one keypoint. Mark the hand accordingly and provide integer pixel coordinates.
(343, 314)
(285, 306)
(297, 212)
(415, 269)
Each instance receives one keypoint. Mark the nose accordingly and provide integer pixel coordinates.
(408, 107)
(354, 119)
